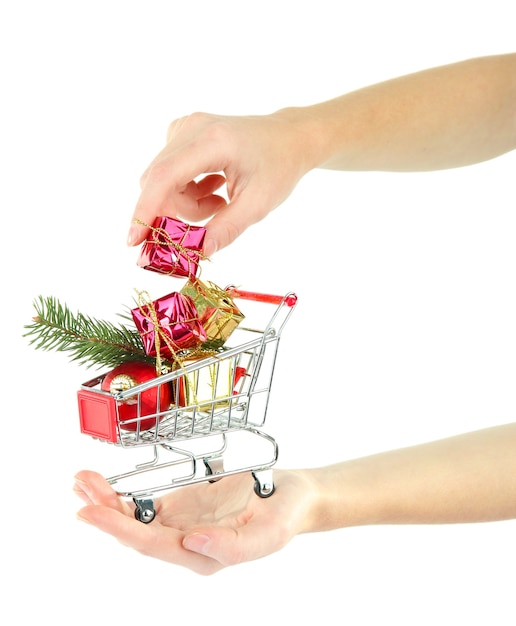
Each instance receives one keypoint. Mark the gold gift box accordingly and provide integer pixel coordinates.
(217, 312)
(210, 386)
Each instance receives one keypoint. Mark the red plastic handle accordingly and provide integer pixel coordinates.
(289, 300)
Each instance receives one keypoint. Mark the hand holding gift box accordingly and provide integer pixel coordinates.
(173, 248)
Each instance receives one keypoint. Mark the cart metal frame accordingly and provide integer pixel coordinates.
(216, 400)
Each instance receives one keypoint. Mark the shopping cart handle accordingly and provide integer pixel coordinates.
(290, 299)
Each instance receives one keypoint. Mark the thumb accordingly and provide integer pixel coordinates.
(231, 546)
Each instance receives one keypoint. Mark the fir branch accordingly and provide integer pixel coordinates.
(89, 341)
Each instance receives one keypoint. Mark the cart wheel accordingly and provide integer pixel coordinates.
(263, 483)
(264, 491)
(214, 466)
(144, 511)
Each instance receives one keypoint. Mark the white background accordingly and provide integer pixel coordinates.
(405, 329)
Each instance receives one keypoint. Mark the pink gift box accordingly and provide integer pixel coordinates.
(172, 248)
(168, 325)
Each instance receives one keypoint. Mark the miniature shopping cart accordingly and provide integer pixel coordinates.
(212, 426)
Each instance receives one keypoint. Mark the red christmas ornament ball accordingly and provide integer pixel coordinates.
(128, 375)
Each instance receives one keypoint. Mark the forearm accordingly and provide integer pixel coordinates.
(444, 117)
(467, 478)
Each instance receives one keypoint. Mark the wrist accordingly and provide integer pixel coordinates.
(306, 132)
(342, 495)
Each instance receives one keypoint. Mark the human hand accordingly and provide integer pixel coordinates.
(204, 527)
(260, 159)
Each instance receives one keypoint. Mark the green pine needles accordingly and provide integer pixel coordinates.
(89, 341)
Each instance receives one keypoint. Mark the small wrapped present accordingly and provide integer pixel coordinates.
(168, 325)
(217, 311)
(210, 386)
(172, 248)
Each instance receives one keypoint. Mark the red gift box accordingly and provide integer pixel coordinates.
(172, 248)
(168, 325)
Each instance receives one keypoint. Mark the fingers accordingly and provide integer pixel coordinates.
(109, 513)
(194, 202)
(169, 184)
(126, 529)
(157, 184)
(231, 220)
(231, 546)
(152, 540)
(265, 527)
(94, 489)
(206, 186)
(204, 152)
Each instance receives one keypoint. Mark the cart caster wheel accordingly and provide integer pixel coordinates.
(264, 491)
(263, 483)
(214, 466)
(144, 511)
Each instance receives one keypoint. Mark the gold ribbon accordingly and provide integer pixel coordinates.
(211, 292)
(148, 311)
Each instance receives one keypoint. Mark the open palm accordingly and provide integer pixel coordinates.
(206, 526)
